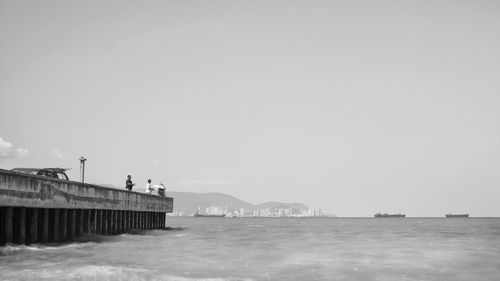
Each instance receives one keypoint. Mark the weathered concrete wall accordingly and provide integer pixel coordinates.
(23, 190)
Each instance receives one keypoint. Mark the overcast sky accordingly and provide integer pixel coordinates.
(356, 107)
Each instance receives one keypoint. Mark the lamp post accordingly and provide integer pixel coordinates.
(82, 168)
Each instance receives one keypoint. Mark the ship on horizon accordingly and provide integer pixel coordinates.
(457, 215)
(386, 215)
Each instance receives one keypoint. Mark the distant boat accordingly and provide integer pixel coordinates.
(199, 214)
(386, 215)
(457, 215)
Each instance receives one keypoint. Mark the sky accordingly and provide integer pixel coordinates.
(355, 107)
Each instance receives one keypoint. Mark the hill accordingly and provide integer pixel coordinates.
(188, 202)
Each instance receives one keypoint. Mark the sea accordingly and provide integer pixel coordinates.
(203, 248)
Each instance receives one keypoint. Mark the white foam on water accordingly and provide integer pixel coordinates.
(13, 248)
(109, 273)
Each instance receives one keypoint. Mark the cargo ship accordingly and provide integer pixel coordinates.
(457, 215)
(386, 215)
(199, 214)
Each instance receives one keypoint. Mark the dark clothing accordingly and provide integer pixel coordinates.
(161, 191)
(129, 184)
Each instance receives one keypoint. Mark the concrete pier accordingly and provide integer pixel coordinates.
(36, 209)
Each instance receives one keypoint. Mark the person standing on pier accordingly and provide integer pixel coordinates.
(128, 183)
(149, 188)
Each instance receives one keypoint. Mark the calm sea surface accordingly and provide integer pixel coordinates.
(273, 249)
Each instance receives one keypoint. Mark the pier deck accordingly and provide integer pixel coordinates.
(36, 209)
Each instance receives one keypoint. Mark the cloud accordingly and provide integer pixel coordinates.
(22, 152)
(59, 153)
(8, 150)
(207, 182)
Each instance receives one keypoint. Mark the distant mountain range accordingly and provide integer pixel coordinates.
(189, 202)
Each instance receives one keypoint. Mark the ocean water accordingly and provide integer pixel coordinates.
(382, 249)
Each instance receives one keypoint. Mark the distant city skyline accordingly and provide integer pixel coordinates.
(352, 107)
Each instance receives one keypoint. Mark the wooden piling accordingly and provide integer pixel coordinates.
(86, 221)
(115, 222)
(109, 215)
(141, 219)
(21, 222)
(98, 221)
(119, 221)
(71, 226)
(131, 226)
(124, 221)
(54, 225)
(33, 225)
(155, 220)
(8, 227)
(135, 218)
(104, 223)
(150, 218)
(80, 222)
(63, 229)
(127, 221)
(132, 220)
(144, 220)
(92, 221)
(138, 222)
(43, 225)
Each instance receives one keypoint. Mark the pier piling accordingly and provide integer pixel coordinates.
(43, 227)
(33, 225)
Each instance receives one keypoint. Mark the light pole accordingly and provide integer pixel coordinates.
(82, 168)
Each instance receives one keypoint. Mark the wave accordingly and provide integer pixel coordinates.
(174, 228)
(12, 248)
(111, 273)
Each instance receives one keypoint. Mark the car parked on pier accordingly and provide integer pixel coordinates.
(57, 173)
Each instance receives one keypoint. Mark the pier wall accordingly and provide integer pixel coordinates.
(36, 209)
